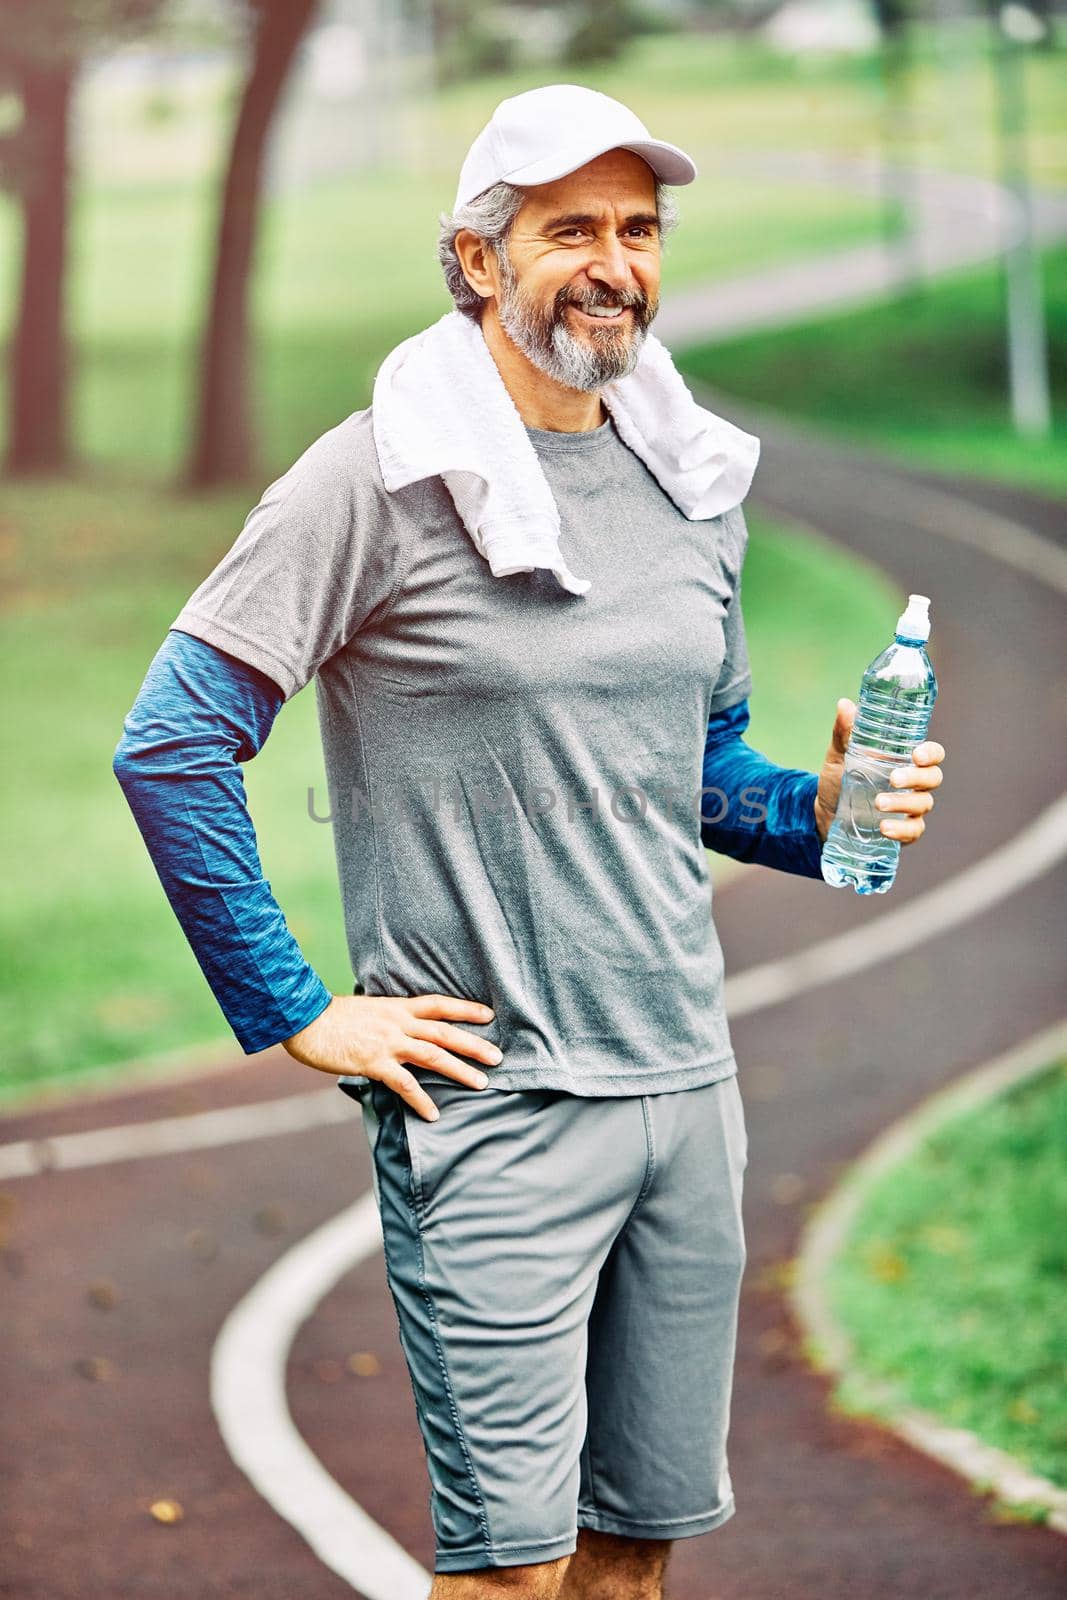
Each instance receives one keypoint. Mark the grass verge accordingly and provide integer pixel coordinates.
(96, 969)
(922, 378)
(951, 1285)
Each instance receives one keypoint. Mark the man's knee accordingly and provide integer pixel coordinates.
(540, 1580)
(611, 1566)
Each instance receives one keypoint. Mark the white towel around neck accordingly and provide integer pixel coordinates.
(441, 408)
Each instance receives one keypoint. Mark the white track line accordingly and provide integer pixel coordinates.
(248, 1395)
(248, 1363)
(1037, 848)
(830, 1347)
(937, 511)
(950, 517)
(198, 1130)
(333, 1524)
(1033, 851)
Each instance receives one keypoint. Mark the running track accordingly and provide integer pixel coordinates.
(117, 1278)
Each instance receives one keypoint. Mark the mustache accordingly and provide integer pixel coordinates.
(635, 299)
(631, 298)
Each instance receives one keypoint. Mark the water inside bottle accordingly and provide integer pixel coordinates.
(892, 717)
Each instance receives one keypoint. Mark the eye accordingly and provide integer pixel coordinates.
(638, 228)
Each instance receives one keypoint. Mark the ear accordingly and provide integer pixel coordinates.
(474, 258)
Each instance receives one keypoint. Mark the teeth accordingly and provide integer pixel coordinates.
(604, 311)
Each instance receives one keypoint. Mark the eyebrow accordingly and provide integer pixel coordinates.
(585, 219)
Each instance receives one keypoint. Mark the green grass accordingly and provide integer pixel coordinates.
(718, 96)
(923, 378)
(346, 269)
(95, 567)
(346, 266)
(953, 1284)
(96, 969)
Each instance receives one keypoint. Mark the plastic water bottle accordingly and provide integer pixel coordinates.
(892, 715)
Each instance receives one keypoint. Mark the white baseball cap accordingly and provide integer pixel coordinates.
(545, 133)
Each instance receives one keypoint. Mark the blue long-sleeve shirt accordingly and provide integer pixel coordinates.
(201, 712)
(756, 810)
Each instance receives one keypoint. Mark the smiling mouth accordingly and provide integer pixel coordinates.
(618, 314)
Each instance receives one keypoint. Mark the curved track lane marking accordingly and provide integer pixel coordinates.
(249, 1359)
(197, 1130)
(1031, 852)
(1034, 850)
(249, 1401)
(998, 875)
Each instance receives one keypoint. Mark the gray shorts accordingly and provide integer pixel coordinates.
(566, 1273)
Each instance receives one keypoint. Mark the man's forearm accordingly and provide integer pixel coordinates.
(198, 714)
(757, 811)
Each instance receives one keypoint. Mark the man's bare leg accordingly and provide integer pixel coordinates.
(606, 1566)
(541, 1580)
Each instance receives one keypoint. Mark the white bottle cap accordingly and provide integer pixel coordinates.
(914, 621)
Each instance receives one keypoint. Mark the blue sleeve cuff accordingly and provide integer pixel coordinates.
(752, 809)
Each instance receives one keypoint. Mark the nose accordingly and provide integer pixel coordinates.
(609, 265)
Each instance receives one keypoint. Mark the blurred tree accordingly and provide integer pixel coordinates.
(222, 449)
(1046, 12)
(733, 16)
(602, 29)
(472, 39)
(467, 43)
(892, 16)
(42, 45)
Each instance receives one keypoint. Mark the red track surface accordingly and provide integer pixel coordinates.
(828, 1509)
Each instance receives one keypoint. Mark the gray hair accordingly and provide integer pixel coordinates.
(491, 215)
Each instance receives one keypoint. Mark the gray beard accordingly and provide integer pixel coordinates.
(545, 339)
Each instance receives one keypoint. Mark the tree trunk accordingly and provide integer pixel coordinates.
(38, 430)
(223, 447)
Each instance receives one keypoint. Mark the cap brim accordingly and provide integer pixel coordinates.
(670, 164)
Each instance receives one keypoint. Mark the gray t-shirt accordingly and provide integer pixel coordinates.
(479, 734)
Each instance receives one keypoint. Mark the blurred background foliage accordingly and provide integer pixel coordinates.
(218, 216)
(215, 222)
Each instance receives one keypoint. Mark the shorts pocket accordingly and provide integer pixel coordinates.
(739, 1118)
(410, 1117)
(427, 1142)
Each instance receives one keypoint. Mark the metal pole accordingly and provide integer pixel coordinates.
(1031, 405)
(899, 176)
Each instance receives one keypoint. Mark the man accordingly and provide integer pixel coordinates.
(565, 1254)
